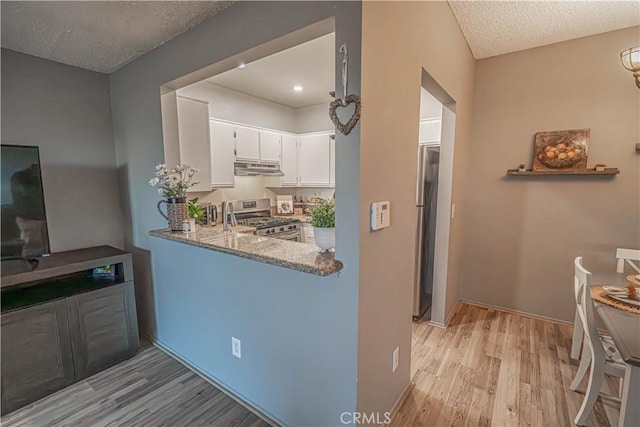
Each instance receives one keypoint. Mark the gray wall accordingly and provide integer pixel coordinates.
(523, 234)
(308, 318)
(66, 112)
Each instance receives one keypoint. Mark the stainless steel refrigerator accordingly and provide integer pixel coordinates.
(426, 208)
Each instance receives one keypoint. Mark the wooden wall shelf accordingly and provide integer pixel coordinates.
(608, 171)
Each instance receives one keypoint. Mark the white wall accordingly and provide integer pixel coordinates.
(227, 104)
(314, 118)
(66, 112)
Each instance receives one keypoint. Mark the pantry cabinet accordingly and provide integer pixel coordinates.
(193, 136)
(315, 160)
(222, 154)
(247, 144)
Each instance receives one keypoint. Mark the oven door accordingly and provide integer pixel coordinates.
(294, 236)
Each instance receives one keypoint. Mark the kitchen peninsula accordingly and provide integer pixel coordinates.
(240, 241)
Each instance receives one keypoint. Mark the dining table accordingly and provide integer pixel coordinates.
(624, 328)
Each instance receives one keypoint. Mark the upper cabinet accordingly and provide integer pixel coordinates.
(193, 134)
(270, 147)
(289, 161)
(315, 160)
(430, 130)
(222, 154)
(247, 144)
(332, 163)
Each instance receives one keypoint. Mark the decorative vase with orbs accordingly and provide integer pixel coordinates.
(325, 238)
(177, 212)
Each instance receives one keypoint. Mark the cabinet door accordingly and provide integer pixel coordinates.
(309, 237)
(332, 164)
(103, 327)
(222, 157)
(36, 354)
(270, 147)
(193, 134)
(430, 131)
(289, 162)
(247, 144)
(315, 158)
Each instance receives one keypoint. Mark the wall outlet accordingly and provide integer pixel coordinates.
(453, 210)
(236, 348)
(394, 359)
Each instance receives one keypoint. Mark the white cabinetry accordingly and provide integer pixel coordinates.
(315, 160)
(332, 163)
(289, 161)
(222, 154)
(270, 147)
(430, 130)
(247, 144)
(309, 237)
(193, 137)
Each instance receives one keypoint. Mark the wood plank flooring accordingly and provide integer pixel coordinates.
(151, 389)
(492, 368)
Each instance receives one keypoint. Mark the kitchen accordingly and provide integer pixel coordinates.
(261, 138)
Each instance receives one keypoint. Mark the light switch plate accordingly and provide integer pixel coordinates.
(380, 215)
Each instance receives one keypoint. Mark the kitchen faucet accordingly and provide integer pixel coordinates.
(227, 209)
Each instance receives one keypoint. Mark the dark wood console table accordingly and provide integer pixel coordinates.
(61, 324)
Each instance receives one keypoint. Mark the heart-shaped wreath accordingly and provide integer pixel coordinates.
(345, 128)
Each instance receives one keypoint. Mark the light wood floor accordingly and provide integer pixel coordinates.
(491, 368)
(151, 389)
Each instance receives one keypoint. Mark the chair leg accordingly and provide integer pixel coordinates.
(596, 376)
(585, 361)
(577, 336)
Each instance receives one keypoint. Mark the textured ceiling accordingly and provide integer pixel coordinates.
(98, 35)
(496, 27)
(310, 65)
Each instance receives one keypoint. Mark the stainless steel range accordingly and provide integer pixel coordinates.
(257, 213)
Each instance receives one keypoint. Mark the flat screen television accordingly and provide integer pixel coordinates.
(24, 220)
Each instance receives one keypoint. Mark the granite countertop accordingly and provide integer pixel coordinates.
(240, 241)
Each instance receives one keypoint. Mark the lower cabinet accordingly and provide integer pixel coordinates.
(51, 345)
(309, 237)
(36, 353)
(102, 327)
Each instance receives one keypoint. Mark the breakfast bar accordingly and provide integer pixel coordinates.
(240, 241)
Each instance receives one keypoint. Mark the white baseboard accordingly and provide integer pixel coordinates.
(518, 312)
(250, 406)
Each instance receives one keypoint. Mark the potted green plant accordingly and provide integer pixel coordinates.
(323, 221)
(195, 211)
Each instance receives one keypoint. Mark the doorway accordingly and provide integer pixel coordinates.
(434, 208)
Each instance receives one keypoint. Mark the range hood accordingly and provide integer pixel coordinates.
(256, 169)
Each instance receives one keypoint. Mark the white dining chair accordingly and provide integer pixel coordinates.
(599, 352)
(628, 256)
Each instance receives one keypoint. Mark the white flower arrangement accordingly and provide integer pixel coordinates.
(173, 183)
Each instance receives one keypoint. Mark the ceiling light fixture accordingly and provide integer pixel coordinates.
(241, 65)
(630, 59)
(297, 88)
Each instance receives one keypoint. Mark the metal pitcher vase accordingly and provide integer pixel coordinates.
(177, 211)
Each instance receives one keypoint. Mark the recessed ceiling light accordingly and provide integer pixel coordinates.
(241, 65)
(297, 88)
